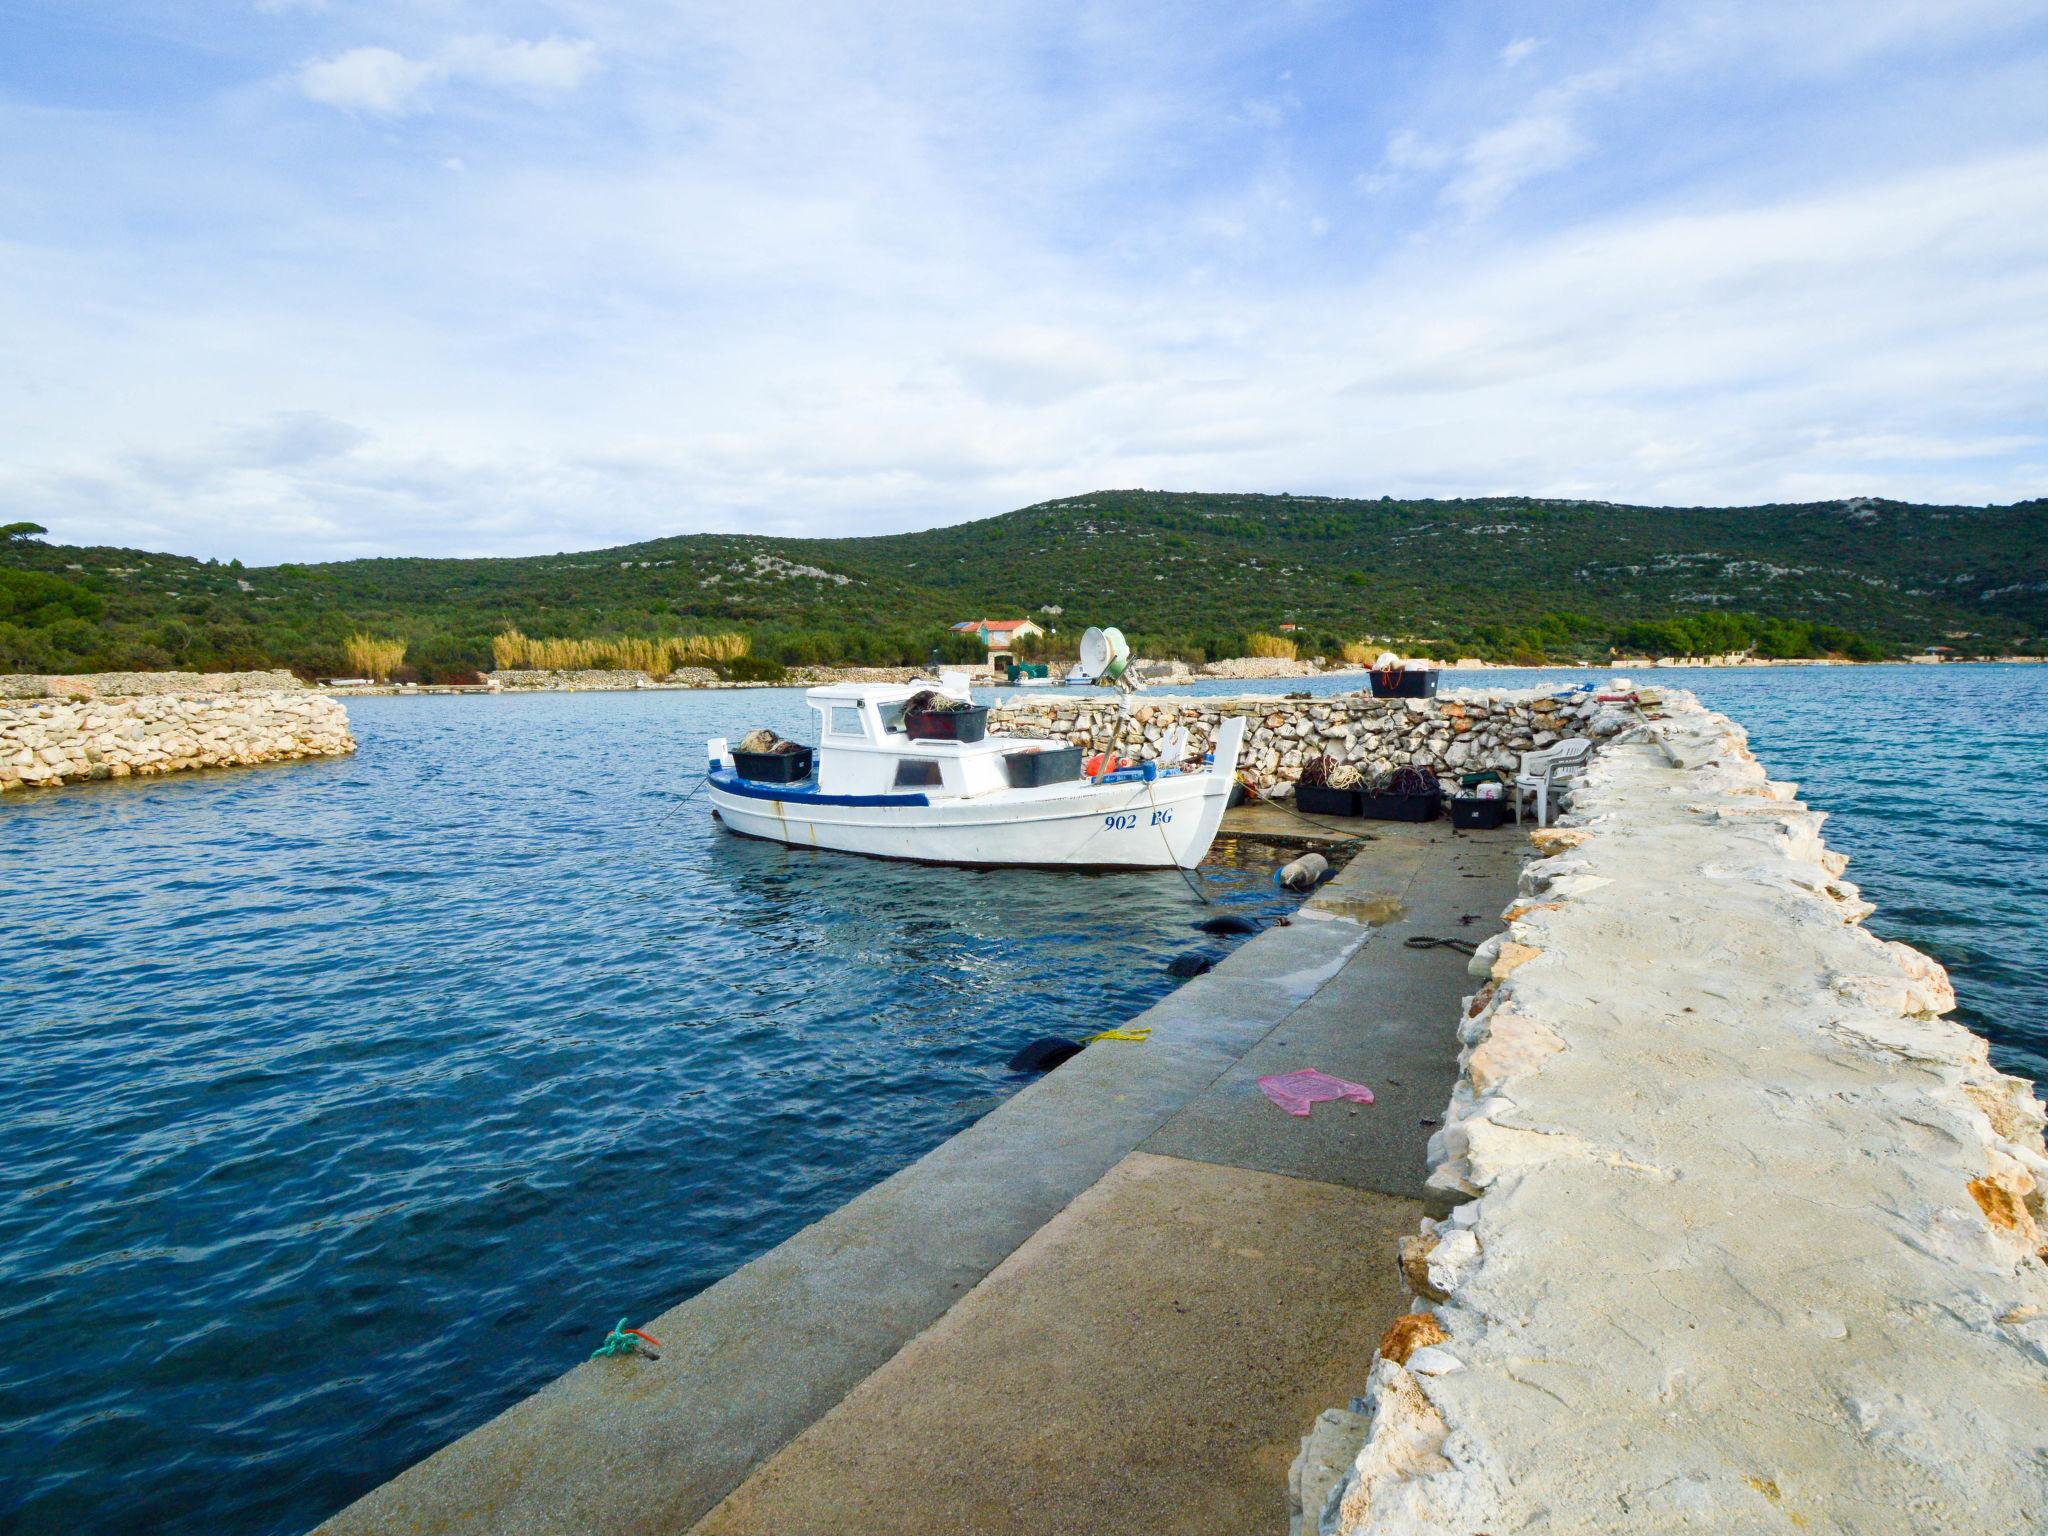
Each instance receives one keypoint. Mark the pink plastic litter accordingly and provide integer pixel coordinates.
(1296, 1091)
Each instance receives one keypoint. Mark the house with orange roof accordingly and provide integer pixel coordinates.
(998, 634)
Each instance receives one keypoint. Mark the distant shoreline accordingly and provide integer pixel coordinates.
(818, 676)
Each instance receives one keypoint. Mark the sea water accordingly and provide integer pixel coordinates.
(347, 1102)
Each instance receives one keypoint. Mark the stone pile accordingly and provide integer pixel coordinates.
(1259, 666)
(49, 741)
(102, 685)
(1457, 733)
(1736, 1232)
(576, 679)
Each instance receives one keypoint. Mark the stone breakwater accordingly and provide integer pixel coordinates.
(1741, 1233)
(597, 679)
(1460, 732)
(100, 685)
(60, 740)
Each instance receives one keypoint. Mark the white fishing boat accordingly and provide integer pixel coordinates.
(878, 789)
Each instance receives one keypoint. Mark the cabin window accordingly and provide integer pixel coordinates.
(916, 772)
(892, 716)
(846, 720)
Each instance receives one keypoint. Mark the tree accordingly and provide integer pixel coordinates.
(12, 531)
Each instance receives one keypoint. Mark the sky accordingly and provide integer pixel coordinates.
(293, 280)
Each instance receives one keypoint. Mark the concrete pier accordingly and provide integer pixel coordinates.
(1113, 1304)
(1750, 1237)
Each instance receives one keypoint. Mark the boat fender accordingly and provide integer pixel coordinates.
(1193, 963)
(1230, 923)
(1304, 874)
(1043, 1054)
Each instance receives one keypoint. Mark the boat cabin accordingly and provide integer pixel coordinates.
(863, 748)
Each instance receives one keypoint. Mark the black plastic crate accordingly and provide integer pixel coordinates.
(946, 724)
(1400, 807)
(1052, 765)
(1470, 813)
(773, 767)
(1321, 800)
(1418, 683)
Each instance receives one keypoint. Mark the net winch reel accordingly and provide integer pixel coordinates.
(1106, 658)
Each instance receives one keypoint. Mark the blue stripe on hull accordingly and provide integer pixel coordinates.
(732, 784)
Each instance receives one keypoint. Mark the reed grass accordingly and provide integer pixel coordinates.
(657, 656)
(373, 658)
(1276, 646)
(1360, 653)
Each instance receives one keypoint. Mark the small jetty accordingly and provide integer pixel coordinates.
(1113, 1304)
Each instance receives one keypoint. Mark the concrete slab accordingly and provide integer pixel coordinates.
(1388, 1019)
(1146, 1364)
(1279, 822)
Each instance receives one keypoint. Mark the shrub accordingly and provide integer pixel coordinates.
(1275, 646)
(371, 657)
(657, 657)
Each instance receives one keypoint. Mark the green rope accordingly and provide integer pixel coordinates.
(625, 1341)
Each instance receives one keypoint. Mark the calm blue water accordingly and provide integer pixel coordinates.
(347, 1102)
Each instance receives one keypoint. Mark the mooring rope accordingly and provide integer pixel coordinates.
(1420, 941)
(1152, 799)
(702, 780)
(1254, 792)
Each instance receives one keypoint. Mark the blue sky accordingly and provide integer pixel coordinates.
(301, 280)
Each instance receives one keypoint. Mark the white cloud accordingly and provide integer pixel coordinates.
(1407, 154)
(1681, 357)
(368, 80)
(885, 268)
(388, 84)
(1520, 49)
(552, 66)
(1501, 160)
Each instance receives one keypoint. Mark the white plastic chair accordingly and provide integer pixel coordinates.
(1540, 772)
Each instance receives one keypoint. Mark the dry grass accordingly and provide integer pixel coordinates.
(657, 657)
(1272, 646)
(367, 656)
(1360, 654)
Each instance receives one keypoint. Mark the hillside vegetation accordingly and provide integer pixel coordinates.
(1511, 578)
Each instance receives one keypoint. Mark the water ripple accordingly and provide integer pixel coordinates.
(348, 1102)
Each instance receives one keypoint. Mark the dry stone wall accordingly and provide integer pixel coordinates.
(582, 679)
(1740, 1234)
(48, 741)
(1460, 732)
(102, 685)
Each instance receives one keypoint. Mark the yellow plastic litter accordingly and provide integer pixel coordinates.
(1137, 1036)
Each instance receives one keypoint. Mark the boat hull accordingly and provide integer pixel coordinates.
(1134, 824)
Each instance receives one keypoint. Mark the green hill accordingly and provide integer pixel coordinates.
(1510, 577)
